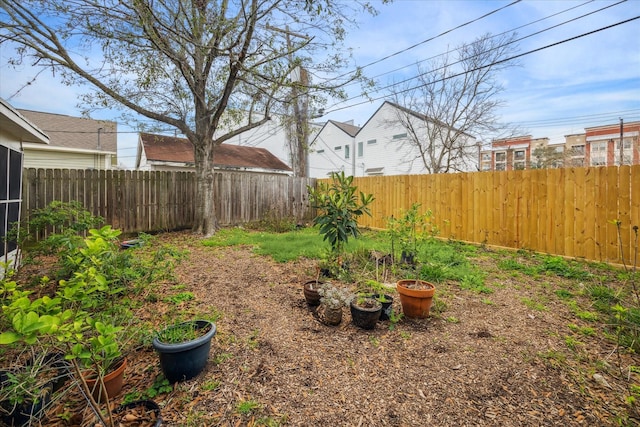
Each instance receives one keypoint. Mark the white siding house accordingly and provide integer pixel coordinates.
(331, 149)
(15, 131)
(75, 142)
(380, 147)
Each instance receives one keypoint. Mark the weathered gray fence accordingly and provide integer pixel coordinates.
(135, 201)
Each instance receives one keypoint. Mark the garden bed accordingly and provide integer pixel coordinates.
(512, 357)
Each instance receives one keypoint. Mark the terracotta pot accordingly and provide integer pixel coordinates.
(416, 297)
(112, 383)
(311, 294)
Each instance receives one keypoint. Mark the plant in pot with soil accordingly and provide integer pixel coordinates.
(332, 300)
(416, 297)
(381, 293)
(339, 206)
(365, 311)
(27, 386)
(409, 231)
(183, 348)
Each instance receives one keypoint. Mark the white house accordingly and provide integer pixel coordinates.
(15, 131)
(381, 147)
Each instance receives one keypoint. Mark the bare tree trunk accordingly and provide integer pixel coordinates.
(206, 220)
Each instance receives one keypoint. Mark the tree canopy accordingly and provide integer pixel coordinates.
(456, 98)
(210, 69)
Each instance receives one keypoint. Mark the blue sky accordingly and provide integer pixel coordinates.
(590, 81)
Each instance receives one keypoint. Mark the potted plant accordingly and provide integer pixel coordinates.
(332, 300)
(339, 206)
(27, 387)
(380, 292)
(183, 348)
(365, 311)
(416, 297)
(409, 231)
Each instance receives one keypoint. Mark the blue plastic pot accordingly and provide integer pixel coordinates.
(185, 360)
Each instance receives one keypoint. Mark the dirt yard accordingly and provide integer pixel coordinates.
(487, 360)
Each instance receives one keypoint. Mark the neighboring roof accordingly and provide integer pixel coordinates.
(410, 112)
(349, 129)
(76, 132)
(172, 149)
(16, 124)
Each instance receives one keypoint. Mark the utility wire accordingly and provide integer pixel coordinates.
(497, 35)
(485, 66)
(429, 39)
(479, 54)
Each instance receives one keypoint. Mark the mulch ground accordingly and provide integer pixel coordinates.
(485, 360)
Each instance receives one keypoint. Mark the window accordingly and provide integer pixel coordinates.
(371, 141)
(400, 136)
(577, 150)
(598, 154)
(346, 151)
(501, 161)
(320, 151)
(10, 195)
(627, 152)
(360, 148)
(337, 148)
(518, 165)
(486, 157)
(518, 155)
(486, 166)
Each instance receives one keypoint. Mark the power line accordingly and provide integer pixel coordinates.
(487, 65)
(501, 34)
(471, 57)
(429, 39)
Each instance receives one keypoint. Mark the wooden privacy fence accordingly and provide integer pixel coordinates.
(565, 211)
(135, 201)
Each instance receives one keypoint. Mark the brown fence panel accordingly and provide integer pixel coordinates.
(135, 201)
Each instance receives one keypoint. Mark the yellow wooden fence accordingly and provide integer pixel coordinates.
(567, 211)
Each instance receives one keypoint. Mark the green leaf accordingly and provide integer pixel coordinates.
(9, 337)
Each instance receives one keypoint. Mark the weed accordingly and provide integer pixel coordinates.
(374, 341)
(180, 298)
(405, 335)
(452, 319)
(563, 294)
(571, 342)
(475, 283)
(271, 422)
(394, 318)
(487, 301)
(246, 407)
(210, 385)
(221, 358)
(534, 305)
(252, 341)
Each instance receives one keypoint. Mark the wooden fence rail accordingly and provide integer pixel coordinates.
(135, 201)
(567, 211)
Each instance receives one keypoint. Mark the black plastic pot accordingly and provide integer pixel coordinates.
(30, 412)
(146, 406)
(365, 317)
(185, 360)
(386, 305)
(26, 412)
